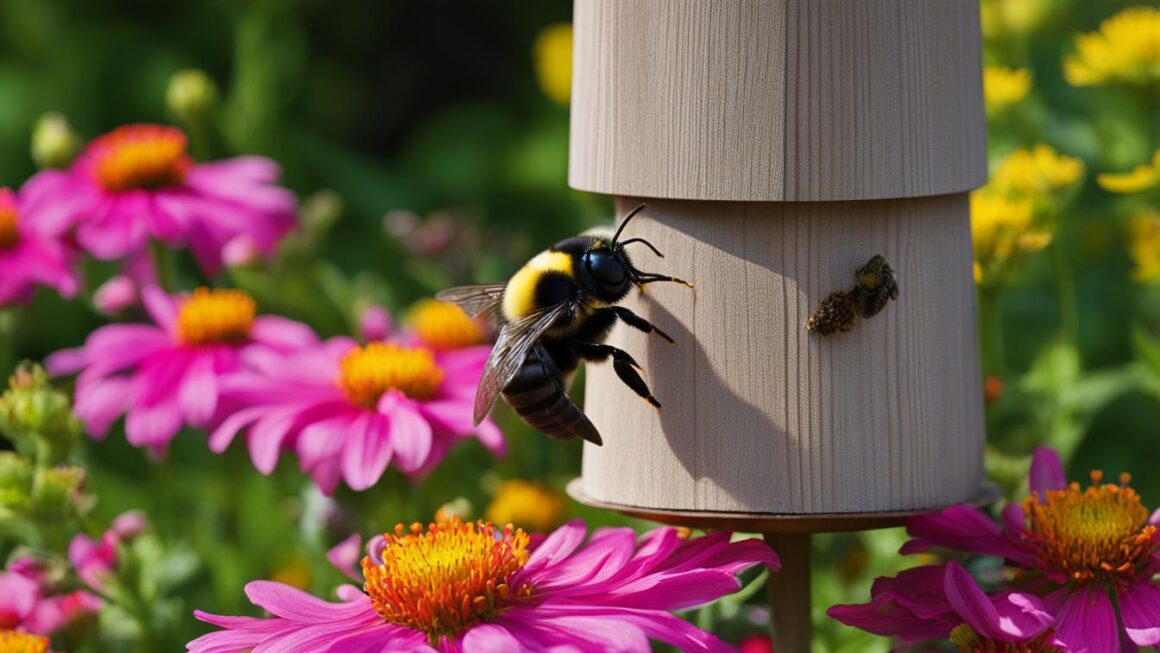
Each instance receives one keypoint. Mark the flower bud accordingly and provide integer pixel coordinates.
(128, 525)
(241, 251)
(116, 295)
(37, 417)
(191, 95)
(374, 323)
(57, 497)
(54, 143)
(15, 483)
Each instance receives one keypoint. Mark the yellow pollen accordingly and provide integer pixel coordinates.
(14, 641)
(209, 316)
(442, 325)
(1098, 533)
(140, 156)
(8, 232)
(365, 373)
(442, 581)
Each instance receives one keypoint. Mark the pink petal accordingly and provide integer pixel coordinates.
(491, 638)
(224, 434)
(345, 556)
(675, 591)
(198, 392)
(964, 529)
(99, 403)
(267, 435)
(410, 435)
(1085, 619)
(161, 307)
(367, 445)
(294, 604)
(1010, 619)
(1140, 609)
(152, 426)
(1046, 471)
(558, 546)
(282, 333)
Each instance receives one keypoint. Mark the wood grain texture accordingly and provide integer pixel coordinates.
(761, 415)
(771, 100)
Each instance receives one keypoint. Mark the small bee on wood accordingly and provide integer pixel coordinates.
(553, 313)
(840, 310)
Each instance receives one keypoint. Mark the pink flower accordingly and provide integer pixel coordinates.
(29, 602)
(30, 256)
(115, 295)
(138, 183)
(349, 411)
(472, 587)
(164, 374)
(1083, 551)
(928, 603)
(96, 561)
(374, 323)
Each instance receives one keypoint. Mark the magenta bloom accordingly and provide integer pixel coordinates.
(349, 411)
(1077, 548)
(30, 603)
(471, 587)
(164, 374)
(30, 256)
(928, 603)
(138, 183)
(96, 561)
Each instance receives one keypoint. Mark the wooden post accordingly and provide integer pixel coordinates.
(789, 592)
(779, 144)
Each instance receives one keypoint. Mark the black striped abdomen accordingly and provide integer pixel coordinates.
(539, 397)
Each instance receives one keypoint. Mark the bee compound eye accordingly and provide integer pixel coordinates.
(607, 270)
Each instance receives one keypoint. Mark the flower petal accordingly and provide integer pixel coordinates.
(964, 529)
(1005, 620)
(1046, 471)
(410, 435)
(1085, 619)
(1140, 609)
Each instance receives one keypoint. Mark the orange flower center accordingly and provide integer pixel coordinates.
(442, 325)
(140, 156)
(365, 373)
(443, 580)
(13, 641)
(1096, 533)
(8, 233)
(209, 316)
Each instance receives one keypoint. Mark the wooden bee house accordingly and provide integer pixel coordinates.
(779, 144)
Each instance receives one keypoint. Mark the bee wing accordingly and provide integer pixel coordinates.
(516, 339)
(474, 300)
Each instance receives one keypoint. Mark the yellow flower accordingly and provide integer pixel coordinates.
(1125, 50)
(1144, 246)
(1002, 230)
(1036, 173)
(553, 56)
(1003, 87)
(1002, 18)
(1141, 178)
(527, 505)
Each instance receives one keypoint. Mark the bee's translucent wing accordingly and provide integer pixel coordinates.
(474, 300)
(516, 339)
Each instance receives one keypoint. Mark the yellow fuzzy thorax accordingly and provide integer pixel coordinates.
(519, 297)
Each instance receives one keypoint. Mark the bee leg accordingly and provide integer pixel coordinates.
(637, 322)
(643, 278)
(622, 364)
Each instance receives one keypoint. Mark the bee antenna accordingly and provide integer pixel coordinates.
(625, 222)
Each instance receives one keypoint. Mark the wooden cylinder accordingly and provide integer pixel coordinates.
(836, 130)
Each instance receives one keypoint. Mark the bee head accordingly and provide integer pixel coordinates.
(609, 266)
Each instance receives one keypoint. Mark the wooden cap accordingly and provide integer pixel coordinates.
(777, 100)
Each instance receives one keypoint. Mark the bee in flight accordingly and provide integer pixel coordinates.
(553, 313)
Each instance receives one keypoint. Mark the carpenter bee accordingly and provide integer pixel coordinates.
(553, 313)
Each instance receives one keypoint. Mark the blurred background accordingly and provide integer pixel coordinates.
(428, 144)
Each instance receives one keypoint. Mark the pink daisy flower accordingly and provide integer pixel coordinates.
(30, 256)
(1083, 551)
(472, 587)
(30, 603)
(168, 373)
(936, 602)
(349, 411)
(138, 183)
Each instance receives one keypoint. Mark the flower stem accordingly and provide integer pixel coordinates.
(1065, 287)
(7, 343)
(162, 264)
(991, 330)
